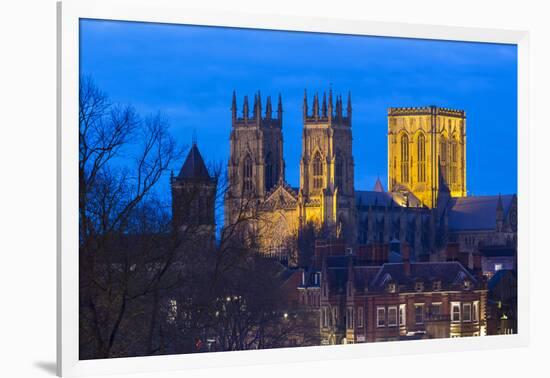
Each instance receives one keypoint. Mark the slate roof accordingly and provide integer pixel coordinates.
(374, 278)
(194, 167)
(373, 198)
(476, 212)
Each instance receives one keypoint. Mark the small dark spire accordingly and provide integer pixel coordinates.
(268, 109)
(349, 106)
(255, 107)
(324, 113)
(330, 110)
(234, 106)
(304, 107)
(245, 108)
(316, 106)
(259, 105)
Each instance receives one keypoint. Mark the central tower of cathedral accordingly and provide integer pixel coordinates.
(427, 149)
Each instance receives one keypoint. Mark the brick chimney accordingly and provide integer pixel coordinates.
(406, 259)
(451, 252)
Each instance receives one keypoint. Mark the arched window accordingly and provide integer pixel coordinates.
(443, 156)
(405, 158)
(269, 179)
(454, 161)
(247, 173)
(421, 151)
(339, 171)
(317, 171)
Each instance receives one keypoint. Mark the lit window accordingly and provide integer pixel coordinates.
(421, 146)
(404, 158)
(455, 308)
(467, 312)
(467, 284)
(498, 267)
(419, 313)
(317, 172)
(380, 316)
(475, 312)
(402, 314)
(392, 316)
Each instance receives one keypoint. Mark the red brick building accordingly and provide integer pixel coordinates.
(395, 301)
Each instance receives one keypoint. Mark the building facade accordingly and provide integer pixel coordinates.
(426, 204)
(424, 144)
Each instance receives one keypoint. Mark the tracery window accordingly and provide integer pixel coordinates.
(404, 158)
(317, 171)
(247, 174)
(339, 168)
(421, 146)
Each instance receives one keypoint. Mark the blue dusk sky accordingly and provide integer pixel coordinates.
(188, 73)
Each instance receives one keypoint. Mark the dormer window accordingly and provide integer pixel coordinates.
(467, 285)
(419, 286)
(391, 287)
(436, 285)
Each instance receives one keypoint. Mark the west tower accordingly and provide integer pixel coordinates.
(327, 168)
(256, 162)
(427, 149)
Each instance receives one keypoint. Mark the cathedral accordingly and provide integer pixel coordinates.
(425, 206)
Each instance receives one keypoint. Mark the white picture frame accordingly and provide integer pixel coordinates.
(69, 13)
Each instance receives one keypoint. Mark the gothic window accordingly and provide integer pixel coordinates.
(454, 160)
(269, 179)
(339, 169)
(317, 171)
(421, 145)
(443, 156)
(405, 158)
(247, 174)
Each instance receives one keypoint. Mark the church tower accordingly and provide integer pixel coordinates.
(427, 147)
(194, 197)
(327, 168)
(256, 162)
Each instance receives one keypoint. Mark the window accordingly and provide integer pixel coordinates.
(455, 311)
(419, 286)
(498, 267)
(349, 318)
(247, 174)
(443, 157)
(360, 317)
(402, 314)
(436, 285)
(325, 317)
(334, 316)
(475, 311)
(419, 313)
(421, 151)
(392, 316)
(339, 169)
(454, 159)
(405, 158)
(467, 312)
(435, 310)
(391, 287)
(269, 177)
(380, 316)
(317, 171)
(467, 285)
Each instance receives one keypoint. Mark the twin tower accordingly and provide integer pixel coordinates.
(256, 167)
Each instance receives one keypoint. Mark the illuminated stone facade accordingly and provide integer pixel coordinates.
(422, 144)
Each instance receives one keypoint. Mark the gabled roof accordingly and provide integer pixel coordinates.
(194, 167)
(378, 186)
(476, 212)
